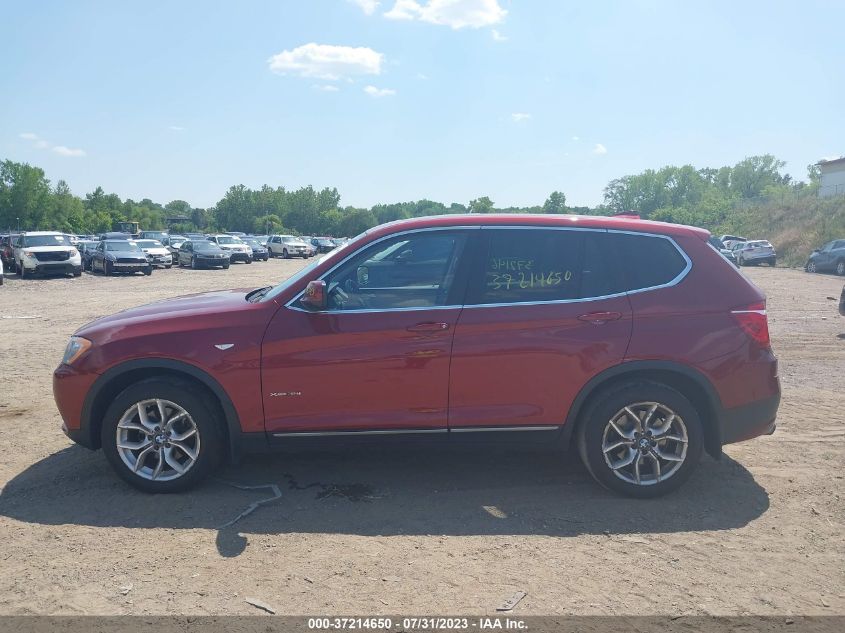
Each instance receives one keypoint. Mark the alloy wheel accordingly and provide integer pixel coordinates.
(840, 268)
(157, 440)
(811, 267)
(645, 443)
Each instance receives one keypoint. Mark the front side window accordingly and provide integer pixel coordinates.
(409, 271)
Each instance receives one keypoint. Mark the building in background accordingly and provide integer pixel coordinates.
(832, 182)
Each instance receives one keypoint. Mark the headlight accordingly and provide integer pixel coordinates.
(74, 252)
(28, 254)
(76, 347)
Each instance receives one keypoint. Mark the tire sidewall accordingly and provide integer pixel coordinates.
(606, 405)
(185, 395)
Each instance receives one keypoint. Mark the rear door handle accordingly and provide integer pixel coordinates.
(600, 318)
(429, 327)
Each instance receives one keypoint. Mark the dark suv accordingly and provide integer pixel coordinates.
(634, 340)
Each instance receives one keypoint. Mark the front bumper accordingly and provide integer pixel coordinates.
(161, 260)
(213, 261)
(236, 256)
(54, 268)
(69, 390)
(133, 267)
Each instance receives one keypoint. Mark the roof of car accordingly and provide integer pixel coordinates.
(529, 219)
(28, 233)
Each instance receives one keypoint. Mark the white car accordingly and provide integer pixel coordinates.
(287, 246)
(1, 272)
(238, 251)
(46, 252)
(157, 253)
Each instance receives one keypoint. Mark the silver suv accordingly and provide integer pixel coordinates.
(46, 252)
(287, 246)
(754, 252)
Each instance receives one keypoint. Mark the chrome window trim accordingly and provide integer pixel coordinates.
(673, 282)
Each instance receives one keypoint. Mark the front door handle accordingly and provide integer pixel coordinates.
(600, 318)
(429, 327)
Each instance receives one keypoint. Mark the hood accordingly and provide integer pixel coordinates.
(157, 250)
(217, 302)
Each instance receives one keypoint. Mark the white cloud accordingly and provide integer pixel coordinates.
(498, 36)
(40, 143)
(367, 6)
(325, 61)
(176, 128)
(599, 149)
(456, 14)
(576, 138)
(61, 150)
(379, 92)
(519, 117)
(326, 87)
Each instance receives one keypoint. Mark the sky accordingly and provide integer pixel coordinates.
(400, 100)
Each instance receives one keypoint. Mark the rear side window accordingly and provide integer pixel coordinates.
(647, 260)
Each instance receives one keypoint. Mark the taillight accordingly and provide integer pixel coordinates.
(754, 322)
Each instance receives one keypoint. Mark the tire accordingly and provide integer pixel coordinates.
(77, 273)
(772, 262)
(108, 269)
(22, 271)
(249, 261)
(596, 434)
(840, 267)
(226, 266)
(203, 447)
(148, 271)
(168, 266)
(194, 265)
(266, 258)
(810, 267)
(285, 254)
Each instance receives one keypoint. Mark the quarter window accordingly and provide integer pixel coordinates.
(646, 260)
(408, 271)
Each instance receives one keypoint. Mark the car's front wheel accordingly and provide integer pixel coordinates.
(160, 435)
(810, 267)
(642, 439)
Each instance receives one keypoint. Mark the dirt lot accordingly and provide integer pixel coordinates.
(399, 531)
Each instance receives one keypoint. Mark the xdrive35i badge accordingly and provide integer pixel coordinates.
(279, 394)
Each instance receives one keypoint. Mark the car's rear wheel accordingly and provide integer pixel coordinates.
(642, 439)
(840, 268)
(160, 435)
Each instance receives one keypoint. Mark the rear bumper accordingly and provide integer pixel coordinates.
(748, 421)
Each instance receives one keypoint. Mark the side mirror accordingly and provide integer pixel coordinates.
(314, 297)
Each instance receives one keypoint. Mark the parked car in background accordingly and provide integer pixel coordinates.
(339, 241)
(323, 244)
(716, 243)
(287, 246)
(167, 239)
(731, 240)
(7, 251)
(754, 252)
(312, 250)
(46, 252)
(153, 235)
(259, 250)
(238, 251)
(202, 254)
(195, 236)
(120, 256)
(828, 258)
(156, 252)
(448, 327)
(261, 238)
(86, 250)
(173, 245)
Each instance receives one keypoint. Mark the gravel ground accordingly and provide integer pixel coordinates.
(388, 531)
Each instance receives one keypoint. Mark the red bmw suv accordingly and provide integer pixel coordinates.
(637, 341)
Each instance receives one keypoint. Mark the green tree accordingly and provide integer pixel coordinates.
(555, 203)
(481, 205)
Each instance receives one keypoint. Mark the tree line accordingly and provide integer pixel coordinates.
(704, 197)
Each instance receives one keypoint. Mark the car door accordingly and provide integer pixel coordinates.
(185, 253)
(377, 359)
(98, 257)
(544, 313)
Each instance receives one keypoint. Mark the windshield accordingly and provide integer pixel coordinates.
(149, 244)
(291, 240)
(254, 243)
(46, 240)
(228, 239)
(205, 246)
(123, 246)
